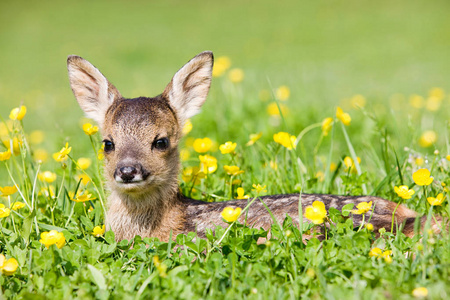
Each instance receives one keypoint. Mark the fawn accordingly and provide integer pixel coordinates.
(141, 137)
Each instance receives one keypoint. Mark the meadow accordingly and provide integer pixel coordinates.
(287, 67)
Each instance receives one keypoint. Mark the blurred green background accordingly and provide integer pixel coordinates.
(323, 50)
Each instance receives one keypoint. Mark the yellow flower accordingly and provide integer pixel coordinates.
(85, 179)
(420, 292)
(62, 154)
(436, 92)
(350, 164)
(4, 211)
(162, 268)
(236, 75)
(8, 190)
(18, 205)
(98, 231)
(416, 101)
(232, 170)
(436, 201)
(316, 212)
(369, 226)
(187, 127)
(15, 143)
(285, 139)
(47, 176)
(90, 129)
(221, 64)
(240, 194)
(343, 117)
(433, 103)
(228, 147)
(5, 155)
(362, 208)
(320, 176)
(404, 192)
(419, 161)
(273, 165)
(253, 138)
(101, 153)
(202, 145)
(428, 138)
(208, 163)
(84, 163)
(387, 256)
(184, 154)
(53, 237)
(259, 188)
(358, 101)
(81, 196)
(273, 110)
(327, 124)
(282, 93)
(422, 177)
(48, 192)
(8, 266)
(18, 113)
(190, 173)
(40, 155)
(375, 252)
(230, 214)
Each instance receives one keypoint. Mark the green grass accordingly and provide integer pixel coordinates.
(324, 51)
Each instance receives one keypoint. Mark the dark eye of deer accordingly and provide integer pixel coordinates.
(161, 144)
(109, 146)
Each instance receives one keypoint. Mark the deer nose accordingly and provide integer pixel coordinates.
(127, 174)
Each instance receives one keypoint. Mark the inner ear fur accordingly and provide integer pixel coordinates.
(190, 86)
(92, 90)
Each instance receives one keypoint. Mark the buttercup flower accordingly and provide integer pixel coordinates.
(101, 153)
(362, 208)
(230, 214)
(240, 193)
(5, 155)
(162, 268)
(285, 139)
(8, 266)
(232, 170)
(18, 113)
(369, 226)
(436, 201)
(85, 179)
(420, 292)
(236, 75)
(375, 252)
(15, 143)
(273, 110)
(90, 129)
(428, 138)
(187, 127)
(416, 101)
(202, 145)
(47, 176)
(259, 188)
(350, 164)
(84, 163)
(316, 212)
(343, 117)
(62, 154)
(327, 124)
(253, 138)
(358, 101)
(221, 64)
(53, 237)
(208, 163)
(282, 93)
(404, 192)
(98, 230)
(4, 211)
(184, 154)
(81, 196)
(8, 190)
(386, 255)
(36, 137)
(18, 205)
(422, 177)
(228, 147)
(192, 172)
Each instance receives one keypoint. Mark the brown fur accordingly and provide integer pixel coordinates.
(153, 207)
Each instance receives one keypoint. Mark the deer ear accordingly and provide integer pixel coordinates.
(190, 85)
(92, 90)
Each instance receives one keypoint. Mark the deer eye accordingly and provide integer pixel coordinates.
(161, 144)
(108, 145)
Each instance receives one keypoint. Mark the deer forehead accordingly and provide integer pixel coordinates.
(141, 117)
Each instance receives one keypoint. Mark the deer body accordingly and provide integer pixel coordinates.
(141, 137)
